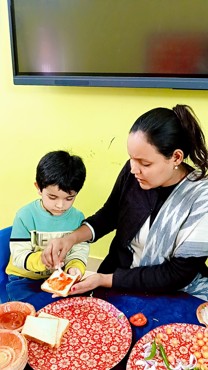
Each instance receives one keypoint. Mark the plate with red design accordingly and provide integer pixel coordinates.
(99, 336)
(180, 341)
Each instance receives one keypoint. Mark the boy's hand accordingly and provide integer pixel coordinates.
(74, 271)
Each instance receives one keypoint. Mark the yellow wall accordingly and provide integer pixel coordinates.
(90, 122)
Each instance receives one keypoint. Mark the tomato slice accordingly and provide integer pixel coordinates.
(138, 319)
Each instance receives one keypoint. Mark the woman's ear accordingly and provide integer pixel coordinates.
(37, 187)
(178, 157)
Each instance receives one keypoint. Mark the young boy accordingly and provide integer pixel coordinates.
(59, 178)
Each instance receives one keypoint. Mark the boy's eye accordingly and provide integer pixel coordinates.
(53, 197)
(69, 199)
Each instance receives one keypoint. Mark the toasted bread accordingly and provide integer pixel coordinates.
(59, 283)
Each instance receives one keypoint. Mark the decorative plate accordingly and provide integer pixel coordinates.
(179, 342)
(99, 336)
(202, 313)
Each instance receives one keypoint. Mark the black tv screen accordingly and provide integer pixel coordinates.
(119, 43)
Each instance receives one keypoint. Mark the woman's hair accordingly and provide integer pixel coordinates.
(177, 128)
(60, 168)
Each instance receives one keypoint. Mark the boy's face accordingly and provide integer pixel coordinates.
(56, 201)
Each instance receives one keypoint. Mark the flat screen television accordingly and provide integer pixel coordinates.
(116, 43)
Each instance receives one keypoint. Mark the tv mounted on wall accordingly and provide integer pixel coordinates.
(116, 43)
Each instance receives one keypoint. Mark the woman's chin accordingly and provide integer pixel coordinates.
(144, 185)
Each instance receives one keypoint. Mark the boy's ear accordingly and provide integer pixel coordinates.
(37, 187)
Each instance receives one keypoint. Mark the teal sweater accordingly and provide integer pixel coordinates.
(32, 229)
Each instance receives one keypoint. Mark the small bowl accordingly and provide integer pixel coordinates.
(13, 314)
(13, 350)
(202, 313)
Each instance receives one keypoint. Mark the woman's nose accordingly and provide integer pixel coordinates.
(134, 167)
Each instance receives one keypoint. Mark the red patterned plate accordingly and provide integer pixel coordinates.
(179, 342)
(98, 338)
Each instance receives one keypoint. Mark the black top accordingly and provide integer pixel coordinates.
(125, 211)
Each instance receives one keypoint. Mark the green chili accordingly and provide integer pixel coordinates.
(152, 352)
(164, 356)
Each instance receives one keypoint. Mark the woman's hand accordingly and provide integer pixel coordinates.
(91, 282)
(85, 285)
(56, 250)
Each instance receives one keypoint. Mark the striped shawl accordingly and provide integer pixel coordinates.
(181, 230)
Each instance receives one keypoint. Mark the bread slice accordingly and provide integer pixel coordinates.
(59, 283)
(63, 325)
(41, 329)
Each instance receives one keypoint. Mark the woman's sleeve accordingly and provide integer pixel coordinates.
(105, 220)
(167, 277)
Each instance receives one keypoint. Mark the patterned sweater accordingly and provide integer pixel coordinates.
(32, 229)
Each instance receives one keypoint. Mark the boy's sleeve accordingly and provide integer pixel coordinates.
(21, 248)
(78, 254)
(34, 263)
(76, 263)
(20, 243)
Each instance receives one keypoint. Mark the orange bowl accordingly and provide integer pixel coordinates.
(202, 313)
(13, 314)
(13, 350)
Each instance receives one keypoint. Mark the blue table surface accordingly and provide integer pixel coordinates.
(159, 310)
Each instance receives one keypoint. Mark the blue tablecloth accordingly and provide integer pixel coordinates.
(159, 310)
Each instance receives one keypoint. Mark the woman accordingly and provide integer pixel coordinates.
(159, 209)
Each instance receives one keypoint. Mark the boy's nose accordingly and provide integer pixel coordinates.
(59, 204)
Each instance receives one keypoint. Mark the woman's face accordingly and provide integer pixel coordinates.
(150, 167)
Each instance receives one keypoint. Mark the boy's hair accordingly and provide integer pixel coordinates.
(60, 168)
